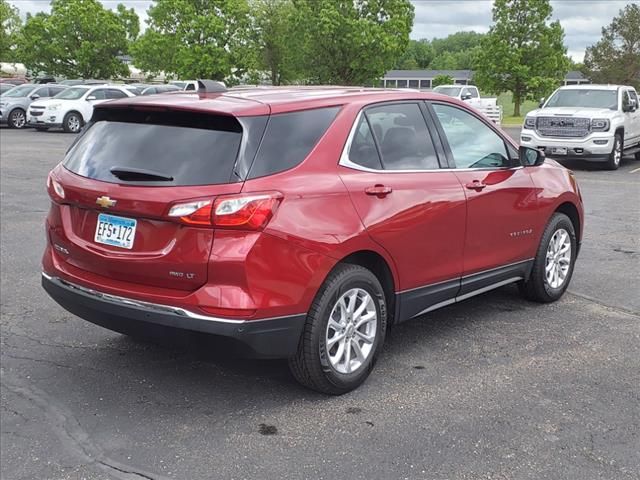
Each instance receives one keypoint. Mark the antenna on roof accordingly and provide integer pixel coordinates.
(211, 86)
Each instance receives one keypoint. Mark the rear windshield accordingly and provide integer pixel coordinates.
(181, 150)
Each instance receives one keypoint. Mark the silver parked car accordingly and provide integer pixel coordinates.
(15, 102)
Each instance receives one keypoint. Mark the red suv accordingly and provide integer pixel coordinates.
(300, 222)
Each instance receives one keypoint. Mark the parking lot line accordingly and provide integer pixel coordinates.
(635, 170)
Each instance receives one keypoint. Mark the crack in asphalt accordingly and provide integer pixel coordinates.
(591, 299)
(71, 434)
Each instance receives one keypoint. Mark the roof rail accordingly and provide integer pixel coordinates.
(210, 86)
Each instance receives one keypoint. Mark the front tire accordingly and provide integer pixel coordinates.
(343, 333)
(72, 122)
(17, 119)
(554, 262)
(615, 157)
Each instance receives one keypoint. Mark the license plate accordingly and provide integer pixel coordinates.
(115, 231)
(558, 150)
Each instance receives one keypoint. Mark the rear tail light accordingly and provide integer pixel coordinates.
(193, 213)
(243, 211)
(54, 188)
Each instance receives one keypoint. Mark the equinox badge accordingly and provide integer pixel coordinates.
(105, 202)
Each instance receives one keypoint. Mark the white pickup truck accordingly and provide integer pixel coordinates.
(598, 123)
(471, 95)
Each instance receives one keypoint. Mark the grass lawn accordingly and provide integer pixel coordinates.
(506, 100)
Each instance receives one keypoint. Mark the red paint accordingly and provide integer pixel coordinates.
(428, 227)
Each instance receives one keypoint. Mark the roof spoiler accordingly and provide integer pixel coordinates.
(211, 86)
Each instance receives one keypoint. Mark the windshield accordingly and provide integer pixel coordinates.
(450, 91)
(20, 91)
(179, 84)
(71, 93)
(585, 98)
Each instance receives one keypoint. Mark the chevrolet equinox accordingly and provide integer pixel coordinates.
(300, 222)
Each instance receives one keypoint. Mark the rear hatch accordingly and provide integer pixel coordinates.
(127, 188)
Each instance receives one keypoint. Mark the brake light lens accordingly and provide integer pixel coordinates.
(53, 184)
(193, 213)
(245, 211)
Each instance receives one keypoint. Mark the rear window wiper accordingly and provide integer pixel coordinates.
(139, 175)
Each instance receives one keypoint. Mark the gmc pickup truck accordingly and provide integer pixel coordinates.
(597, 123)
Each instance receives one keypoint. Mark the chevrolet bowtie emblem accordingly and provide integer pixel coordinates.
(106, 202)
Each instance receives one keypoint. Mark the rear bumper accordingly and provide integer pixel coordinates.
(264, 338)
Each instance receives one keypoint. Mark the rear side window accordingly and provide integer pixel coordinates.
(183, 149)
(403, 137)
(289, 138)
(363, 149)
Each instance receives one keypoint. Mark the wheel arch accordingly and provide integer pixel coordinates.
(379, 266)
(571, 211)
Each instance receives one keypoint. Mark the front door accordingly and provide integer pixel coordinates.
(409, 205)
(503, 223)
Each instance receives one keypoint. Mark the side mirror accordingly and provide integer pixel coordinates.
(35, 96)
(631, 107)
(531, 157)
(466, 96)
(91, 97)
(541, 104)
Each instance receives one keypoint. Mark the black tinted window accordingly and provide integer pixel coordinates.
(289, 138)
(473, 143)
(363, 149)
(113, 93)
(402, 135)
(99, 94)
(167, 144)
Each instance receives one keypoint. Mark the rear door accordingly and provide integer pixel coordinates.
(121, 180)
(503, 222)
(409, 205)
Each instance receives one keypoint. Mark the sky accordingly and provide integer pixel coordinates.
(582, 20)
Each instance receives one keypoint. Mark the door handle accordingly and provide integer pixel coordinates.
(476, 185)
(379, 191)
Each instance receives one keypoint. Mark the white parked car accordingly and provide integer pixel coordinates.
(73, 108)
(186, 85)
(598, 123)
(471, 95)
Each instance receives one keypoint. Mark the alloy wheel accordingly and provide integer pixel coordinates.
(617, 152)
(73, 123)
(18, 119)
(558, 259)
(351, 330)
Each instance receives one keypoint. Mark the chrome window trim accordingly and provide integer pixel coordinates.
(129, 302)
(347, 163)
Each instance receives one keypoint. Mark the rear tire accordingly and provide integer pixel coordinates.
(72, 122)
(615, 157)
(333, 356)
(542, 285)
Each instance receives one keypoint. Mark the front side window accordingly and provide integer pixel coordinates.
(473, 144)
(402, 136)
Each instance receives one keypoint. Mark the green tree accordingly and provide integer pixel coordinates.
(418, 55)
(353, 42)
(80, 38)
(11, 25)
(442, 80)
(277, 40)
(523, 52)
(616, 57)
(130, 20)
(196, 39)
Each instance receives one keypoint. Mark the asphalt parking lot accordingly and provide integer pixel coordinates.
(492, 388)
